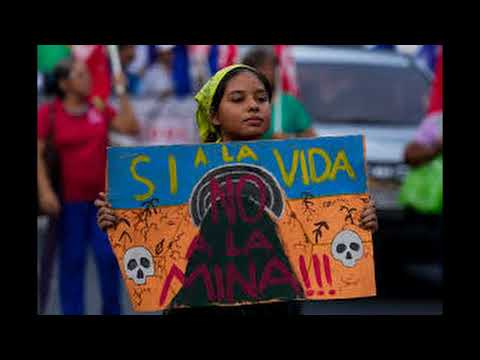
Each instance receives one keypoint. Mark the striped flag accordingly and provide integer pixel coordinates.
(194, 64)
(436, 97)
(96, 59)
(288, 73)
(216, 56)
(227, 55)
(382, 47)
(402, 49)
(427, 55)
(431, 127)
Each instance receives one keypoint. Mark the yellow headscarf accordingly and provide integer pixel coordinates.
(204, 99)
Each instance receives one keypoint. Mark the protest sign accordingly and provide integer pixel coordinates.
(241, 222)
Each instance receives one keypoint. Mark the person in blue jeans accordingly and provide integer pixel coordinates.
(78, 132)
(77, 230)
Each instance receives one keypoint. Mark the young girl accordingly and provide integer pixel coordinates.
(234, 105)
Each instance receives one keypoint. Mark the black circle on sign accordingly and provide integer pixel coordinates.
(200, 198)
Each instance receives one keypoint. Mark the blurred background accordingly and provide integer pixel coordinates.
(389, 93)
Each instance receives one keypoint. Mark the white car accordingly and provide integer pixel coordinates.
(380, 94)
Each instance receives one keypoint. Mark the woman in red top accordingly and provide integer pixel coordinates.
(79, 133)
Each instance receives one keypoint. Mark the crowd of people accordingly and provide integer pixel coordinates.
(150, 69)
(78, 129)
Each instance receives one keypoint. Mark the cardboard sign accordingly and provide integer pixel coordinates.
(242, 222)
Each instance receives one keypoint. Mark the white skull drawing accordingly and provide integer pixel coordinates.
(138, 264)
(347, 247)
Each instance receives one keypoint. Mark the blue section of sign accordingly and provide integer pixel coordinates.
(322, 167)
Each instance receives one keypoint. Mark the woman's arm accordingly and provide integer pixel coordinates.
(125, 122)
(417, 154)
(48, 200)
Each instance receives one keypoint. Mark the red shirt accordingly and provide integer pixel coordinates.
(81, 142)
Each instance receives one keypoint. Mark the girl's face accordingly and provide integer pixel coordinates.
(244, 110)
(78, 82)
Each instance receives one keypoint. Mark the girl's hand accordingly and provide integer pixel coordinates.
(368, 218)
(105, 215)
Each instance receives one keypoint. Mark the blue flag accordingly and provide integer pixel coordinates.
(426, 57)
(382, 47)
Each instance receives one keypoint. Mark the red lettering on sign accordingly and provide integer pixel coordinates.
(174, 272)
(263, 198)
(199, 244)
(306, 280)
(328, 272)
(230, 244)
(226, 198)
(318, 274)
(257, 241)
(202, 271)
(286, 277)
(234, 277)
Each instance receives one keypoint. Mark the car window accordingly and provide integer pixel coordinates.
(363, 93)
